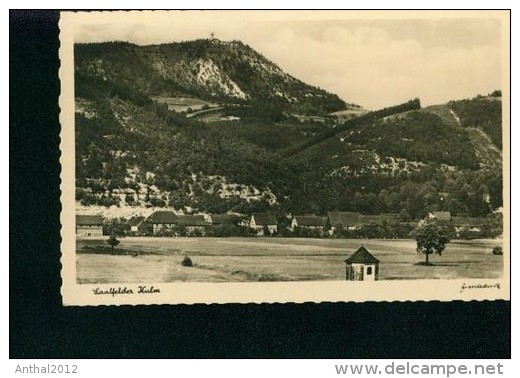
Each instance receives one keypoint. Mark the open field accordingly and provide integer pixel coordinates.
(350, 113)
(276, 259)
(207, 115)
(181, 104)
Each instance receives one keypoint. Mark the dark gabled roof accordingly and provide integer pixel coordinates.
(89, 220)
(442, 215)
(191, 220)
(225, 218)
(344, 218)
(310, 220)
(135, 221)
(162, 216)
(361, 256)
(378, 219)
(264, 219)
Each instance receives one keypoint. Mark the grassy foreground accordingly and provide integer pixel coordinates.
(157, 260)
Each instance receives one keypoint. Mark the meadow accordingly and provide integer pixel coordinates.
(157, 260)
(182, 104)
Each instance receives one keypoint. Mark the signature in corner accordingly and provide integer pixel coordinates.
(479, 286)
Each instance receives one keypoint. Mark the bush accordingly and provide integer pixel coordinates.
(196, 233)
(304, 232)
(165, 233)
(130, 199)
(157, 202)
(117, 227)
(88, 200)
(497, 250)
(226, 230)
(466, 234)
(187, 261)
(285, 232)
(108, 201)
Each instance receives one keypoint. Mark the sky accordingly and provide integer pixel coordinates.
(374, 59)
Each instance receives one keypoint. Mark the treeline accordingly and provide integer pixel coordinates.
(386, 230)
(413, 196)
(356, 122)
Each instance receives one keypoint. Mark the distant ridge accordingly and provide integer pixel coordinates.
(209, 69)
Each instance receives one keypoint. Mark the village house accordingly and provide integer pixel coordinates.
(311, 222)
(362, 266)
(89, 225)
(343, 220)
(224, 219)
(137, 226)
(262, 222)
(194, 224)
(471, 224)
(162, 221)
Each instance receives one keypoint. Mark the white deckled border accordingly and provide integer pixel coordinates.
(264, 292)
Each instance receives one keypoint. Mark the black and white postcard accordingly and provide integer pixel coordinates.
(284, 156)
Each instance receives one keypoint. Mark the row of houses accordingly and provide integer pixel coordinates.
(165, 221)
(158, 222)
(461, 223)
(262, 223)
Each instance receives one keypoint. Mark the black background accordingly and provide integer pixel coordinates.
(40, 327)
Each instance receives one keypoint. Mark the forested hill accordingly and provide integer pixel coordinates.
(208, 69)
(413, 162)
(211, 126)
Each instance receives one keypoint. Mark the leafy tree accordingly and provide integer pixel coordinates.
(130, 199)
(157, 202)
(112, 242)
(432, 237)
(108, 201)
(404, 215)
(88, 200)
(117, 227)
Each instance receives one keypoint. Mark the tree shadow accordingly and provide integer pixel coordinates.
(423, 263)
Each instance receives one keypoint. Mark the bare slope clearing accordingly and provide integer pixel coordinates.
(182, 104)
